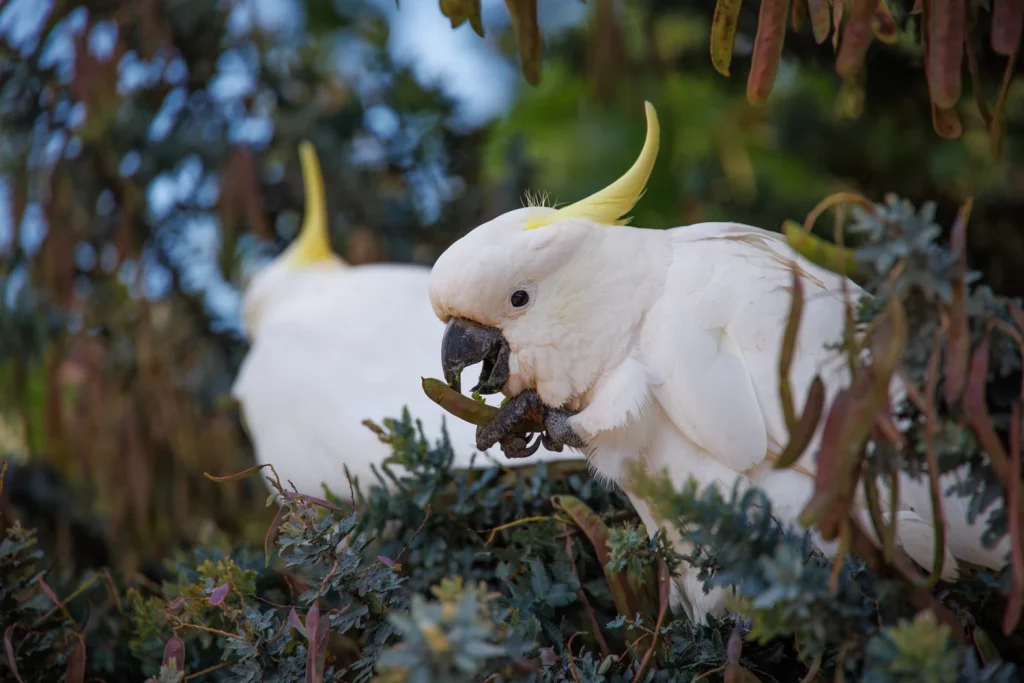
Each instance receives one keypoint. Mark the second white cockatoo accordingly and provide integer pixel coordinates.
(333, 345)
(663, 347)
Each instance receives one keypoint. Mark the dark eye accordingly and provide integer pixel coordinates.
(519, 298)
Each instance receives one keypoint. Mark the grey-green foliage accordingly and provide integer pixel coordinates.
(528, 561)
(897, 232)
(466, 629)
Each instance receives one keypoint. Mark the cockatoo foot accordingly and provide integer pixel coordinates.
(516, 446)
(558, 432)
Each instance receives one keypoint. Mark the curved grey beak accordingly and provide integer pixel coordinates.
(467, 343)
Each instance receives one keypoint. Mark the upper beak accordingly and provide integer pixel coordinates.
(467, 343)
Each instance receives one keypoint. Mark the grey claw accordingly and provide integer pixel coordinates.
(552, 445)
(515, 446)
(508, 417)
(556, 421)
(486, 436)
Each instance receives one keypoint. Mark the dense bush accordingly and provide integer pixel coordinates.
(542, 574)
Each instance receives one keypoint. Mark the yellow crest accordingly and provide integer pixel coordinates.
(608, 206)
(313, 244)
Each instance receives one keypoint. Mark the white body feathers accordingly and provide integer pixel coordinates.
(333, 345)
(704, 366)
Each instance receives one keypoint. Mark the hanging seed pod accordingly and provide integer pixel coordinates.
(974, 71)
(524, 23)
(1007, 21)
(946, 21)
(459, 11)
(947, 123)
(764, 65)
(856, 38)
(997, 126)
(798, 17)
(723, 34)
(820, 15)
(884, 25)
(838, 6)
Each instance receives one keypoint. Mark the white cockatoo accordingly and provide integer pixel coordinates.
(333, 345)
(659, 346)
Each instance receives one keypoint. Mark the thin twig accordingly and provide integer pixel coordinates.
(572, 661)
(209, 669)
(426, 516)
(663, 577)
(524, 520)
(591, 615)
(198, 627)
(930, 427)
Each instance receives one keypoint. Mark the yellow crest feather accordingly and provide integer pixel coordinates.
(313, 244)
(608, 206)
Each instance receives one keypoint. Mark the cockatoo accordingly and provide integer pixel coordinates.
(333, 345)
(658, 346)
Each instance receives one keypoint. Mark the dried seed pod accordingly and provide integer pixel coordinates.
(856, 38)
(957, 354)
(838, 6)
(764, 65)
(524, 22)
(820, 16)
(884, 25)
(1007, 21)
(807, 424)
(997, 126)
(947, 123)
(459, 11)
(945, 26)
(798, 17)
(723, 34)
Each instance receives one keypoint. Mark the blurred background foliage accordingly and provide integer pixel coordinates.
(149, 155)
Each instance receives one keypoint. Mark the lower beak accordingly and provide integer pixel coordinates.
(467, 343)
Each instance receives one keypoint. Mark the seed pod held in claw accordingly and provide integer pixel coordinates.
(1007, 21)
(946, 22)
(764, 65)
(723, 34)
(466, 409)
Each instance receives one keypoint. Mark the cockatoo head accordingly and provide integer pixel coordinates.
(304, 264)
(541, 295)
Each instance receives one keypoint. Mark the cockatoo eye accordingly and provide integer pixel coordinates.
(519, 298)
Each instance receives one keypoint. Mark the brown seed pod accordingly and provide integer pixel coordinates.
(459, 11)
(884, 25)
(764, 65)
(856, 38)
(723, 34)
(946, 21)
(1007, 21)
(838, 6)
(798, 16)
(524, 23)
(820, 19)
(947, 123)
